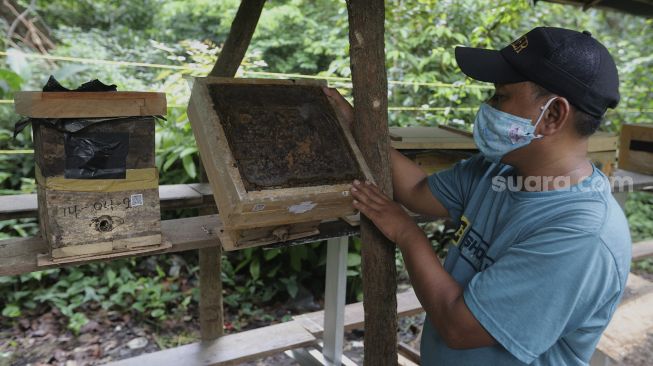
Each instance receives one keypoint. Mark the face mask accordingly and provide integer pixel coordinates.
(497, 133)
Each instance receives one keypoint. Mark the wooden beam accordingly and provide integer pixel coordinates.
(18, 255)
(240, 35)
(642, 250)
(232, 349)
(370, 84)
(232, 54)
(407, 305)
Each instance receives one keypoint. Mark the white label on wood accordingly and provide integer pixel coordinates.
(302, 207)
(136, 200)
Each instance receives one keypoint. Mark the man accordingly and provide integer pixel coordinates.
(542, 252)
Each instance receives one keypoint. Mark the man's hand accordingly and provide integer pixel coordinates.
(343, 109)
(387, 215)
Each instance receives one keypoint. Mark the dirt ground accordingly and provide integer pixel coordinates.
(110, 336)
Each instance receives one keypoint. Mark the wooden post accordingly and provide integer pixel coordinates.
(366, 38)
(240, 34)
(232, 54)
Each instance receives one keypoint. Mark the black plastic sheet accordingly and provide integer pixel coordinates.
(96, 156)
(89, 155)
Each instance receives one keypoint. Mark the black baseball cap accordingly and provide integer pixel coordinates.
(571, 64)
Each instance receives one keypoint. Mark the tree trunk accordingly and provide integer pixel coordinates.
(240, 34)
(366, 38)
(232, 54)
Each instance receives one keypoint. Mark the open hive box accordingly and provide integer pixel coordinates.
(97, 184)
(278, 158)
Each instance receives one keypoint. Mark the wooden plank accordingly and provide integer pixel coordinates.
(409, 352)
(627, 179)
(456, 130)
(429, 138)
(172, 197)
(405, 361)
(407, 305)
(630, 325)
(445, 137)
(17, 206)
(89, 104)
(643, 249)
(19, 255)
(603, 141)
(232, 349)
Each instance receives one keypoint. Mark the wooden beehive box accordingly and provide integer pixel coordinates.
(437, 148)
(636, 148)
(278, 158)
(97, 184)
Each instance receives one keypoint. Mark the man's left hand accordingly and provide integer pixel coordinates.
(387, 215)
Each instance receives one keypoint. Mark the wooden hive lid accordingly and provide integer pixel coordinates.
(444, 137)
(35, 104)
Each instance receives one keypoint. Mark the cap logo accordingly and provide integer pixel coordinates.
(520, 44)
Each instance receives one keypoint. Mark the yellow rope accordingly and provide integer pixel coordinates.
(15, 152)
(259, 73)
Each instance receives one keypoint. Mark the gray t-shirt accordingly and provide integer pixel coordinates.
(542, 272)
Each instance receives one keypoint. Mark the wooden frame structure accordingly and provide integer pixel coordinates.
(265, 216)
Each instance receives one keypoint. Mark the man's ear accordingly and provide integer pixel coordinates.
(555, 118)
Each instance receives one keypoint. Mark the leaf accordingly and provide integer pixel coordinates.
(353, 260)
(111, 277)
(189, 166)
(255, 268)
(169, 161)
(187, 151)
(270, 253)
(295, 260)
(11, 311)
(158, 313)
(291, 287)
(9, 82)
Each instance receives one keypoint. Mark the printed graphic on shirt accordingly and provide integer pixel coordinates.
(473, 249)
(464, 225)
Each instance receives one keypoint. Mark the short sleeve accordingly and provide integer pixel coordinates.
(453, 186)
(543, 287)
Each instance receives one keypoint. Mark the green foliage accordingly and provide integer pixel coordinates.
(140, 287)
(639, 210)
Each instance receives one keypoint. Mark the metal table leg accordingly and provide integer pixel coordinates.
(334, 299)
